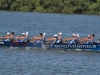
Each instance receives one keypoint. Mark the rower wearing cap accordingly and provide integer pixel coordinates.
(68, 40)
(26, 37)
(21, 38)
(52, 39)
(77, 38)
(73, 39)
(88, 40)
(56, 38)
(59, 37)
(6, 38)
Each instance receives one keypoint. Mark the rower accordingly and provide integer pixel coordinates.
(73, 39)
(92, 38)
(68, 40)
(43, 37)
(21, 38)
(98, 41)
(40, 38)
(26, 37)
(59, 37)
(55, 39)
(12, 36)
(77, 38)
(6, 38)
(88, 40)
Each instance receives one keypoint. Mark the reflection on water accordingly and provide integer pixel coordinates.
(48, 62)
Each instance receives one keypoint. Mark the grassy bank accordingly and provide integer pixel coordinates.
(56, 6)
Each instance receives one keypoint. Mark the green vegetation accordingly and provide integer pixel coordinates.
(59, 6)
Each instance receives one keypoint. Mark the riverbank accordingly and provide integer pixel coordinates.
(56, 6)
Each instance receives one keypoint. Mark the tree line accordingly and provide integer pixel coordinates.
(57, 6)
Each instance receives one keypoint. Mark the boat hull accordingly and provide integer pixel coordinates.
(95, 46)
(20, 44)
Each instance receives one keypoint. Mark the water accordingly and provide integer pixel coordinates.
(49, 62)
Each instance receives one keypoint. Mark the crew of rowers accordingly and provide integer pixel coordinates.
(75, 39)
(10, 37)
(23, 38)
(56, 39)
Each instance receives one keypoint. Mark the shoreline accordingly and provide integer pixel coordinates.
(50, 12)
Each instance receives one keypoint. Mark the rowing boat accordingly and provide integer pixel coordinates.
(94, 46)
